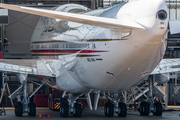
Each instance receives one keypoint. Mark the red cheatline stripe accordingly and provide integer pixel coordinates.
(66, 51)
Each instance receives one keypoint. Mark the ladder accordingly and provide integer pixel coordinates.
(3, 90)
(141, 89)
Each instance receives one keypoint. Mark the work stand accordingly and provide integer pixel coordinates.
(2, 110)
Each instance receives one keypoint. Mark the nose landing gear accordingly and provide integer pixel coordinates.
(115, 107)
(123, 109)
(109, 110)
(64, 110)
(71, 107)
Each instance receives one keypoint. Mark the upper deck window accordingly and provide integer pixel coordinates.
(43, 46)
(55, 46)
(37, 46)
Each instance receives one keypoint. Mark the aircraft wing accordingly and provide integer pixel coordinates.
(174, 29)
(39, 67)
(32, 67)
(80, 18)
(167, 66)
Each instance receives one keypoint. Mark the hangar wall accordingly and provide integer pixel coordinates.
(18, 32)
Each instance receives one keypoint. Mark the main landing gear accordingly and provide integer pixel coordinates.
(146, 108)
(150, 105)
(19, 110)
(109, 110)
(32, 109)
(26, 106)
(64, 110)
(115, 106)
(71, 107)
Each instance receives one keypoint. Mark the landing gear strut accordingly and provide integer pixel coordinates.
(115, 107)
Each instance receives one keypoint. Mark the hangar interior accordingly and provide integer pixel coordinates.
(21, 25)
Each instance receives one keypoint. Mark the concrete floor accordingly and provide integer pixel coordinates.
(90, 115)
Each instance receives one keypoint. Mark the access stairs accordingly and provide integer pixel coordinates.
(142, 89)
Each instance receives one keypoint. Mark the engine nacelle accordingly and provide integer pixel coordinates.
(72, 8)
(162, 78)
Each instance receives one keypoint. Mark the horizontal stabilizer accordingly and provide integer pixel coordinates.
(174, 26)
(80, 18)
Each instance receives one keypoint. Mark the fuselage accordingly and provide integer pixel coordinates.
(106, 59)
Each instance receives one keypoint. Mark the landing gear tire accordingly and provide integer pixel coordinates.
(19, 109)
(32, 109)
(109, 109)
(141, 108)
(158, 109)
(144, 108)
(78, 110)
(123, 110)
(64, 110)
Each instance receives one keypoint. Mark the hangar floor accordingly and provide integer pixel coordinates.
(90, 115)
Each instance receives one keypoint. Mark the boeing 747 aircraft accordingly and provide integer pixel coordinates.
(83, 51)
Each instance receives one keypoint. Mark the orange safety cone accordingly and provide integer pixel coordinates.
(40, 115)
(44, 115)
(48, 115)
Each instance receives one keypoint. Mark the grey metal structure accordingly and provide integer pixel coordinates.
(18, 32)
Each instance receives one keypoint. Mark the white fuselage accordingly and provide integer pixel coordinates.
(107, 60)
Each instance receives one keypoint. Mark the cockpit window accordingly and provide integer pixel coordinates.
(162, 14)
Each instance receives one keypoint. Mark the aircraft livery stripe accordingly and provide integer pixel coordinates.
(64, 54)
(66, 51)
(89, 40)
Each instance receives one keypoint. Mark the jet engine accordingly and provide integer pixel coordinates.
(161, 78)
(72, 8)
